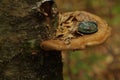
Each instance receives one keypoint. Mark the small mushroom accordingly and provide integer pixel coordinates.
(85, 29)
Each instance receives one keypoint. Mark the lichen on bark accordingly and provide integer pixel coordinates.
(21, 31)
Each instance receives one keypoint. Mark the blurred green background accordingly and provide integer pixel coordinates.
(99, 62)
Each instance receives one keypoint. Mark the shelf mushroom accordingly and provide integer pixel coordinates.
(77, 30)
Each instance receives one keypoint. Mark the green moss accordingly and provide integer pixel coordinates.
(20, 37)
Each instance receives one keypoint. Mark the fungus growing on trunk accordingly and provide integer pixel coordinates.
(77, 30)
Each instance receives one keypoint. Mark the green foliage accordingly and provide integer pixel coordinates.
(116, 13)
(84, 63)
(81, 62)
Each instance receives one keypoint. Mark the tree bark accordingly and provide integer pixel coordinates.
(21, 31)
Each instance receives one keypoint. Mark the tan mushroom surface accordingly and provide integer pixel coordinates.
(67, 36)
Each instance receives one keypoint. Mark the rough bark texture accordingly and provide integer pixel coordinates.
(21, 32)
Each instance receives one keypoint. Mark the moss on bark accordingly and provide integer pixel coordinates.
(21, 32)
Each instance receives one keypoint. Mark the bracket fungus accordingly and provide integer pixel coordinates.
(77, 30)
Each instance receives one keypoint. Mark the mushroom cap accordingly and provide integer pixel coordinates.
(66, 37)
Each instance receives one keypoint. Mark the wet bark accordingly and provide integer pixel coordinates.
(21, 31)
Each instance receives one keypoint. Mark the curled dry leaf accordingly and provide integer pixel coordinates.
(67, 35)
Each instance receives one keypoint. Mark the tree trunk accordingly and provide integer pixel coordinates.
(21, 31)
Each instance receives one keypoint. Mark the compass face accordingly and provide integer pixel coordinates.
(87, 27)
